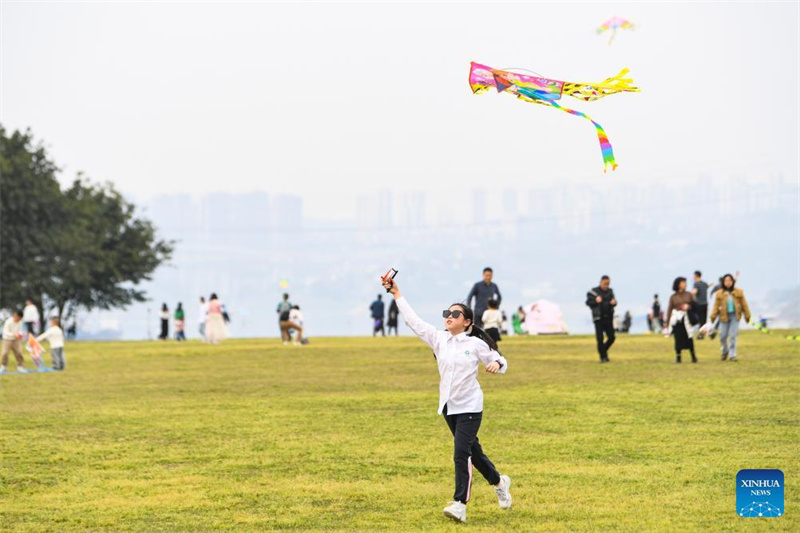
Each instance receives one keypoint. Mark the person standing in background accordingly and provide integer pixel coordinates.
(518, 321)
(656, 324)
(394, 312)
(164, 316)
(492, 321)
(180, 323)
(283, 309)
(216, 330)
(482, 292)
(602, 302)
(30, 317)
(700, 294)
(202, 316)
(377, 313)
(12, 334)
(55, 336)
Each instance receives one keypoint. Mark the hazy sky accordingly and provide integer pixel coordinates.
(320, 97)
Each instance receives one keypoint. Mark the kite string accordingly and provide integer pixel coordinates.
(509, 69)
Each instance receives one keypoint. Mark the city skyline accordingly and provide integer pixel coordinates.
(244, 245)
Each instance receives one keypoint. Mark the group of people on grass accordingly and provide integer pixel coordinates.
(21, 325)
(290, 322)
(212, 316)
(687, 315)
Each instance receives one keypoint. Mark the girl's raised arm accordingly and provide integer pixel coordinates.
(423, 330)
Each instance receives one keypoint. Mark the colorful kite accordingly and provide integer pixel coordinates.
(36, 350)
(613, 24)
(544, 91)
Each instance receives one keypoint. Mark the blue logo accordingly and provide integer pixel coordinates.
(759, 493)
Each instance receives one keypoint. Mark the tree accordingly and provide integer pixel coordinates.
(84, 247)
(31, 215)
(106, 252)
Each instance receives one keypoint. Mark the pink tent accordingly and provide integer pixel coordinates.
(543, 317)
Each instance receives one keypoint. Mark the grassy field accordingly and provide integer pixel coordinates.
(342, 435)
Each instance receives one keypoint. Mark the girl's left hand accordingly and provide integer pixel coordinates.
(493, 367)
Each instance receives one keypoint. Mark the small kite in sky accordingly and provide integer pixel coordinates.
(613, 24)
(544, 91)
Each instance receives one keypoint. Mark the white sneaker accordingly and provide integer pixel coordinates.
(2, 369)
(503, 492)
(22, 370)
(456, 511)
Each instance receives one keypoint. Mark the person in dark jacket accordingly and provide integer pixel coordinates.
(679, 322)
(377, 309)
(601, 301)
(483, 291)
(392, 321)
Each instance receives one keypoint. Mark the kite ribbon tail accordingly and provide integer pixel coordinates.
(605, 145)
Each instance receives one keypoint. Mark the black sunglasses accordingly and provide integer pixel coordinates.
(448, 313)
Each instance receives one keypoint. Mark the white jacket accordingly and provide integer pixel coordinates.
(55, 335)
(458, 357)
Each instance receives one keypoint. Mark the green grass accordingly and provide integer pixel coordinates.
(342, 435)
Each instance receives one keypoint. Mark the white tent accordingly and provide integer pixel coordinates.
(543, 317)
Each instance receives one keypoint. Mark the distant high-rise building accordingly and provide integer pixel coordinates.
(510, 204)
(479, 204)
(412, 210)
(374, 210)
(287, 212)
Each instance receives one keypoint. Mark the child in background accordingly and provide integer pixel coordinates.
(492, 321)
(55, 336)
(296, 317)
(12, 333)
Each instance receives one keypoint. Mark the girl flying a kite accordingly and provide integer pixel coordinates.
(459, 350)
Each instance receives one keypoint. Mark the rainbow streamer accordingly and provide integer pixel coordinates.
(544, 91)
(605, 145)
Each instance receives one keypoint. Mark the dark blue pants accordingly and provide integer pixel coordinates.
(468, 453)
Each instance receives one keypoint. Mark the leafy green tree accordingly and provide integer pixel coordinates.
(81, 248)
(31, 217)
(105, 252)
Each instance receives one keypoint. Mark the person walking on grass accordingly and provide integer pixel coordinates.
(376, 310)
(713, 325)
(483, 291)
(678, 320)
(12, 334)
(55, 336)
(730, 305)
(601, 301)
(458, 351)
